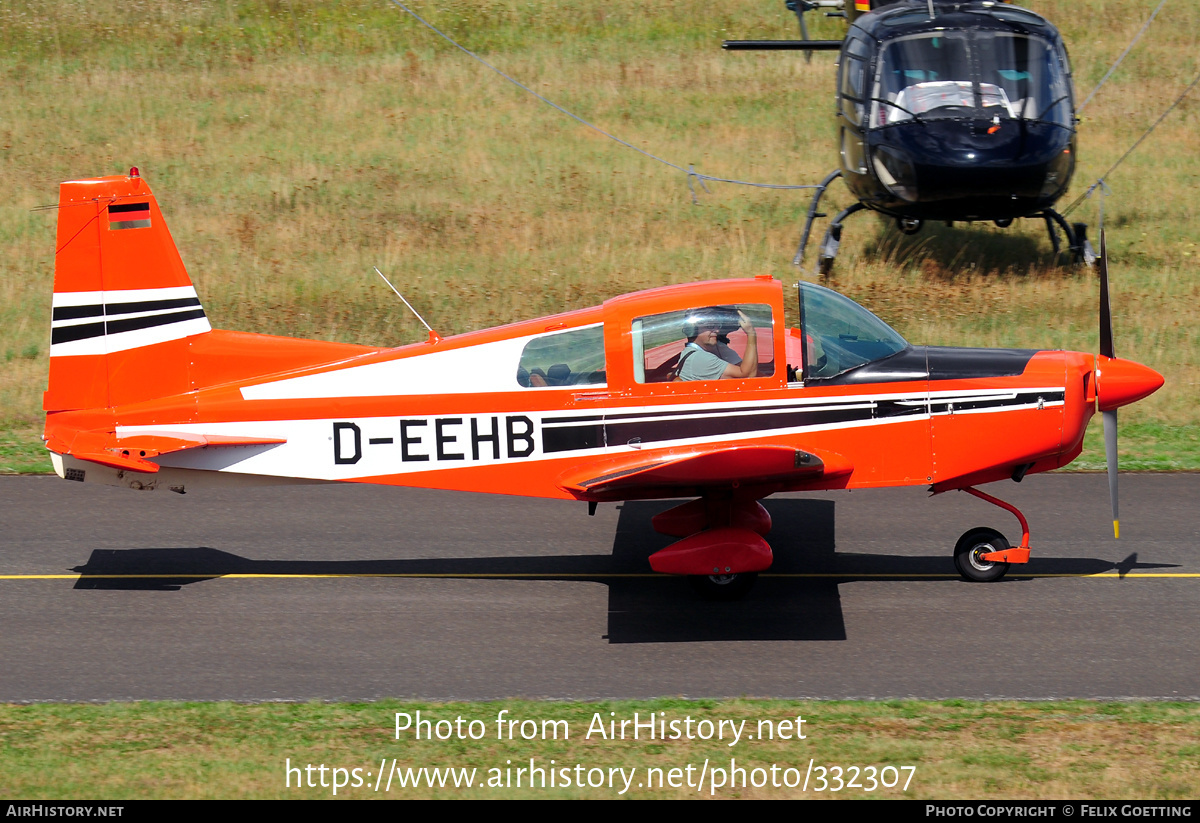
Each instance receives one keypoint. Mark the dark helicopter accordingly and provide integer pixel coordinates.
(948, 111)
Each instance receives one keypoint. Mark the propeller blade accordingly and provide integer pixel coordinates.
(1110, 456)
(1109, 417)
(1106, 336)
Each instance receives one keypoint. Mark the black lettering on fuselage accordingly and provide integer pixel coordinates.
(444, 439)
(339, 455)
(515, 436)
(490, 439)
(477, 438)
(407, 440)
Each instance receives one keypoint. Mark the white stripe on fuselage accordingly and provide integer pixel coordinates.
(341, 448)
(480, 369)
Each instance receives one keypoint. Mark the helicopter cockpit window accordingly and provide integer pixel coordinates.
(927, 75)
(951, 74)
(569, 358)
(841, 335)
(1029, 73)
(702, 342)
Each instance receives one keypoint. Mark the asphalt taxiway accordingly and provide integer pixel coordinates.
(356, 592)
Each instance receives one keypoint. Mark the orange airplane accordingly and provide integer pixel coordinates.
(693, 391)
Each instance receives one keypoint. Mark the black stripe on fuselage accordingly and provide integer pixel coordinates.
(611, 418)
(946, 405)
(695, 424)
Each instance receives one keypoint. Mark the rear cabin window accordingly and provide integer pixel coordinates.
(698, 343)
(568, 358)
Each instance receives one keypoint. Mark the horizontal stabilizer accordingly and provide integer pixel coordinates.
(151, 444)
(132, 452)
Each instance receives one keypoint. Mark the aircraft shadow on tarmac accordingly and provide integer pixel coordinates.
(642, 608)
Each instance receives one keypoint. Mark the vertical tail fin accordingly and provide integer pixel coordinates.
(123, 303)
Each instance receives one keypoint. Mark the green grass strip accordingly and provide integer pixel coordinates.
(950, 749)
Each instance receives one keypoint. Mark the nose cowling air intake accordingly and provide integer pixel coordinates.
(1121, 382)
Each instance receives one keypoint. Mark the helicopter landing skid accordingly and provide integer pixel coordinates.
(833, 239)
(813, 215)
(1076, 234)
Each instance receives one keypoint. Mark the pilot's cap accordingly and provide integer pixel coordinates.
(724, 318)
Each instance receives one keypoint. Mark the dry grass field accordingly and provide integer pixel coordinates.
(293, 144)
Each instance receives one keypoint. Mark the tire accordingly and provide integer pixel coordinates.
(970, 546)
(724, 587)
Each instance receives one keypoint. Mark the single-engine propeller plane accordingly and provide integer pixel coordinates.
(692, 390)
(947, 110)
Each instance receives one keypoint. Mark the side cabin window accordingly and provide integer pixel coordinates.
(704, 343)
(853, 71)
(568, 358)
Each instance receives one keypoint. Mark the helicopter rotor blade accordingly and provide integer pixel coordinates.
(803, 32)
(781, 45)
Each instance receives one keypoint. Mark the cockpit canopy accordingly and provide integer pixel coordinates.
(840, 335)
(970, 73)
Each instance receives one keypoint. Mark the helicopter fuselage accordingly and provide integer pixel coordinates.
(965, 114)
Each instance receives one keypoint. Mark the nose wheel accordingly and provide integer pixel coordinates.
(983, 555)
(969, 555)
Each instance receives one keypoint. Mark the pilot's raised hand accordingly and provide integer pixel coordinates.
(744, 322)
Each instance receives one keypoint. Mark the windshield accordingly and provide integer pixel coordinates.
(841, 335)
(964, 74)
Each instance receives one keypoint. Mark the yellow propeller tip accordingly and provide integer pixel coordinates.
(1116, 529)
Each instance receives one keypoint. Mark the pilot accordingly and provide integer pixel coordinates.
(707, 355)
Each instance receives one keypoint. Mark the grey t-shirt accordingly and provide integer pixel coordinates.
(704, 365)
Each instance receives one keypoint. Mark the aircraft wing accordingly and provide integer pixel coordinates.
(131, 451)
(664, 474)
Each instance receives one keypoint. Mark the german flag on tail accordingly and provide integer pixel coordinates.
(129, 216)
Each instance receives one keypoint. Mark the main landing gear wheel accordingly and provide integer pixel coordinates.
(723, 586)
(969, 551)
